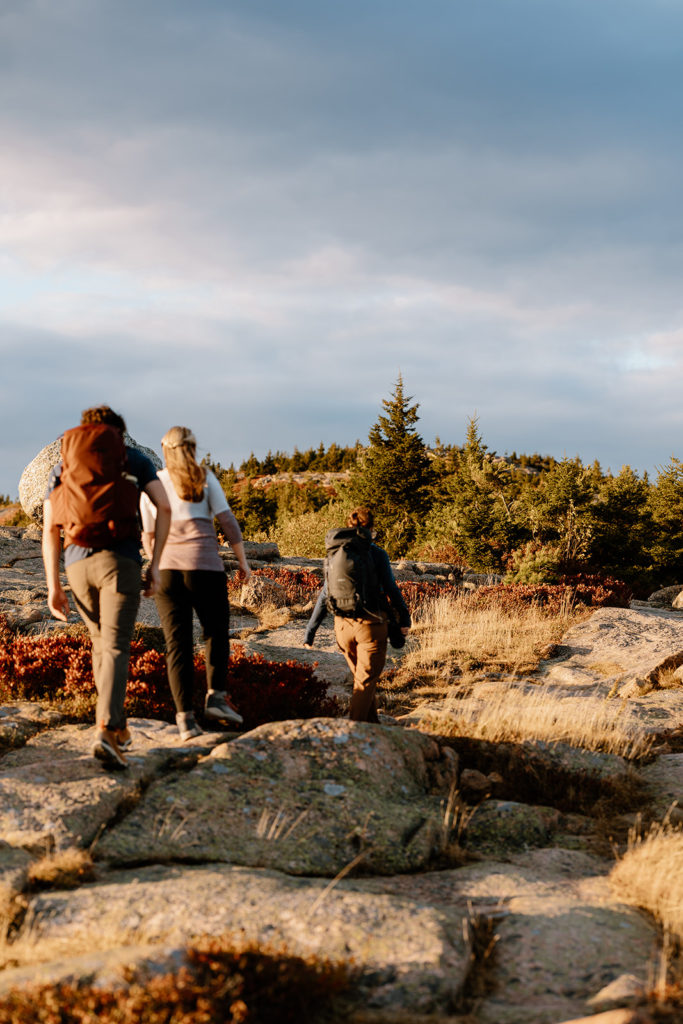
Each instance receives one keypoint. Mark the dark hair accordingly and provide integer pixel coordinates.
(103, 414)
(361, 516)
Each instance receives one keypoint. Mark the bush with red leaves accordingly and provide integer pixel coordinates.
(416, 594)
(591, 591)
(222, 981)
(300, 585)
(59, 667)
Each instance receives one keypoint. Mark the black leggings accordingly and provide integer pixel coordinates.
(206, 592)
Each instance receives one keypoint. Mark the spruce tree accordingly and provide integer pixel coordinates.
(480, 512)
(622, 527)
(666, 506)
(393, 474)
(559, 511)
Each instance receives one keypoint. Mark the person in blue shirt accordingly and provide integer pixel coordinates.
(106, 583)
(363, 639)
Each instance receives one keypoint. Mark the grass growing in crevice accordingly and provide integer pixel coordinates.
(650, 875)
(62, 869)
(481, 929)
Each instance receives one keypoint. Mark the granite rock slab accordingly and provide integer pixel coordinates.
(408, 955)
(556, 952)
(54, 794)
(619, 649)
(305, 797)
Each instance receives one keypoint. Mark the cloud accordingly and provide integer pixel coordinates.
(251, 216)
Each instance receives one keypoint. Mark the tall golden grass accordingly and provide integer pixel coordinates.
(459, 646)
(650, 875)
(454, 633)
(504, 712)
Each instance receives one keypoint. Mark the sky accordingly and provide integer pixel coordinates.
(250, 216)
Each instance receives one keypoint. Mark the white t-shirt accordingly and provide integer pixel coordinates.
(192, 542)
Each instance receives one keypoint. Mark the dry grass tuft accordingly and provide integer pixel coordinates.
(453, 635)
(7, 897)
(505, 712)
(459, 644)
(271, 616)
(650, 875)
(65, 869)
(668, 680)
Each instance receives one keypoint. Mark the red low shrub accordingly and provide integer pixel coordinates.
(59, 667)
(222, 981)
(592, 591)
(599, 591)
(300, 585)
(415, 594)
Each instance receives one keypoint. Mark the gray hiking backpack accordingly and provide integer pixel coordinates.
(352, 586)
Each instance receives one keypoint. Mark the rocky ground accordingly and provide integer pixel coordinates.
(344, 839)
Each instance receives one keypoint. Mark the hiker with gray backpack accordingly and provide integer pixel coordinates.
(368, 608)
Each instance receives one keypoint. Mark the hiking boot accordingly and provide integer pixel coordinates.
(218, 706)
(108, 752)
(187, 727)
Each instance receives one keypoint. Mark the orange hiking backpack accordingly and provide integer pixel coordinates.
(96, 500)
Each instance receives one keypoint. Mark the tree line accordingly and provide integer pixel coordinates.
(533, 518)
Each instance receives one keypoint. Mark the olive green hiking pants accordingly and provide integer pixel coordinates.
(106, 587)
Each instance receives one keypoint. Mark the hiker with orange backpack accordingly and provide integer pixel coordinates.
(93, 496)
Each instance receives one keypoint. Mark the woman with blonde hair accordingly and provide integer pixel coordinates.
(193, 578)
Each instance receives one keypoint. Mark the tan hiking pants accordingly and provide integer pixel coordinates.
(363, 643)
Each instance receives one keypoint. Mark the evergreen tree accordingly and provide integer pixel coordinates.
(252, 466)
(297, 463)
(559, 511)
(622, 527)
(666, 506)
(480, 511)
(394, 475)
(255, 510)
(269, 465)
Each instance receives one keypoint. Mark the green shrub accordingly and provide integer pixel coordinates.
(304, 535)
(534, 562)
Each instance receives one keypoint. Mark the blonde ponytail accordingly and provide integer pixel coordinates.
(180, 453)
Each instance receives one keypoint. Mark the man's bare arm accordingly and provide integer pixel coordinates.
(57, 600)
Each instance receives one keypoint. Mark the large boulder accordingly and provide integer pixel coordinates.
(619, 650)
(303, 797)
(34, 479)
(666, 597)
(261, 591)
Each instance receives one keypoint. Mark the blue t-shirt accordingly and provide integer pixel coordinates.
(144, 471)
